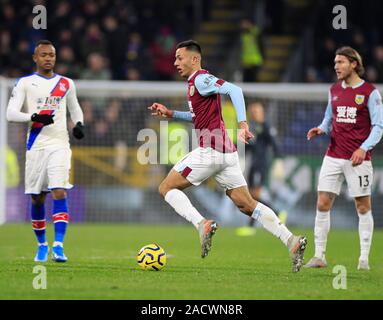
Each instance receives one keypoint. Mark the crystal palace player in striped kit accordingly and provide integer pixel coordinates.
(354, 119)
(216, 154)
(45, 97)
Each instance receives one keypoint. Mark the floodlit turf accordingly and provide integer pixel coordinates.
(102, 265)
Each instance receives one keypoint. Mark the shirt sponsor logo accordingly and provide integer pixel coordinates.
(359, 99)
(48, 103)
(346, 114)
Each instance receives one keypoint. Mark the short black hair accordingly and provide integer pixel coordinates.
(191, 45)
(44, 42)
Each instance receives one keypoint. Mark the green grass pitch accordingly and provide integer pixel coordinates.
(102, 265)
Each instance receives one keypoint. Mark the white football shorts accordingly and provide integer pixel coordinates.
(334, 171)
(47, 169)
(202, 163)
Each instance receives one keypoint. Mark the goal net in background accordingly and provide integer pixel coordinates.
(111, 185)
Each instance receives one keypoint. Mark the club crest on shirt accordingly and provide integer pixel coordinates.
(191, 91)
(62, 86)
(359, 99)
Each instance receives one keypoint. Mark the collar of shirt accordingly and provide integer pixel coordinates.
(191, 76)
(344, 86)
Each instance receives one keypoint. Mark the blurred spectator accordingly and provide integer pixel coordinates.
(61, 16)
(115, 47)
(67, 63)
(138, 58)
(378, 54)
(371, 74)
(163, 50)
(78, 30)
(5, 48)
(101, 133)
(133, 74)
(312, 75)
(96, 68)
(87, 109)
(251, 56)
(359, 44)
(65, 38)
(21, 59)
(91, 10)
(9, 17)
(94, 41)
(107, 129)
(325, 57)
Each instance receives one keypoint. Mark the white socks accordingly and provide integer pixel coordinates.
(321, 229)
(182, 205)
(366, 228)
(271, 222)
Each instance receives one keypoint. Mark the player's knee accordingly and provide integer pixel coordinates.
(245, 204)
(245, 207)
(38, 199)
(323, 204)
(362, 208)
(163, 189)
(59, 194)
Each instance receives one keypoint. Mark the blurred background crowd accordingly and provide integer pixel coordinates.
(265, 41)
(253, 41)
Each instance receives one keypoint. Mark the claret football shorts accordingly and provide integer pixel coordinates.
(47, 169)
(202, 163)
(334, 171)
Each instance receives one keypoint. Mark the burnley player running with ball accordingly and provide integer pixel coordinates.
(216, 154)
(45, 97)
(354, 118)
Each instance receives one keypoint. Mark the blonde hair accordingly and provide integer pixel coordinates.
(352, 55)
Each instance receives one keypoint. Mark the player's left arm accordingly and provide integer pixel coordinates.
(208, 84)
(375, 109)
(75, 111)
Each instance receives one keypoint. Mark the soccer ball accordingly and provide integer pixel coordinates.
(151, 257)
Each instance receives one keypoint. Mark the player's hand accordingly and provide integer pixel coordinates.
(358, 157)
(45, 119)
(244, 134)
(314, 132)
(160, 110)
(78, 130)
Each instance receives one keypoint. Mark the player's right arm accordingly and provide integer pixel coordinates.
(15, 105)
(16, 102)
(162, 111)
(325, 126)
